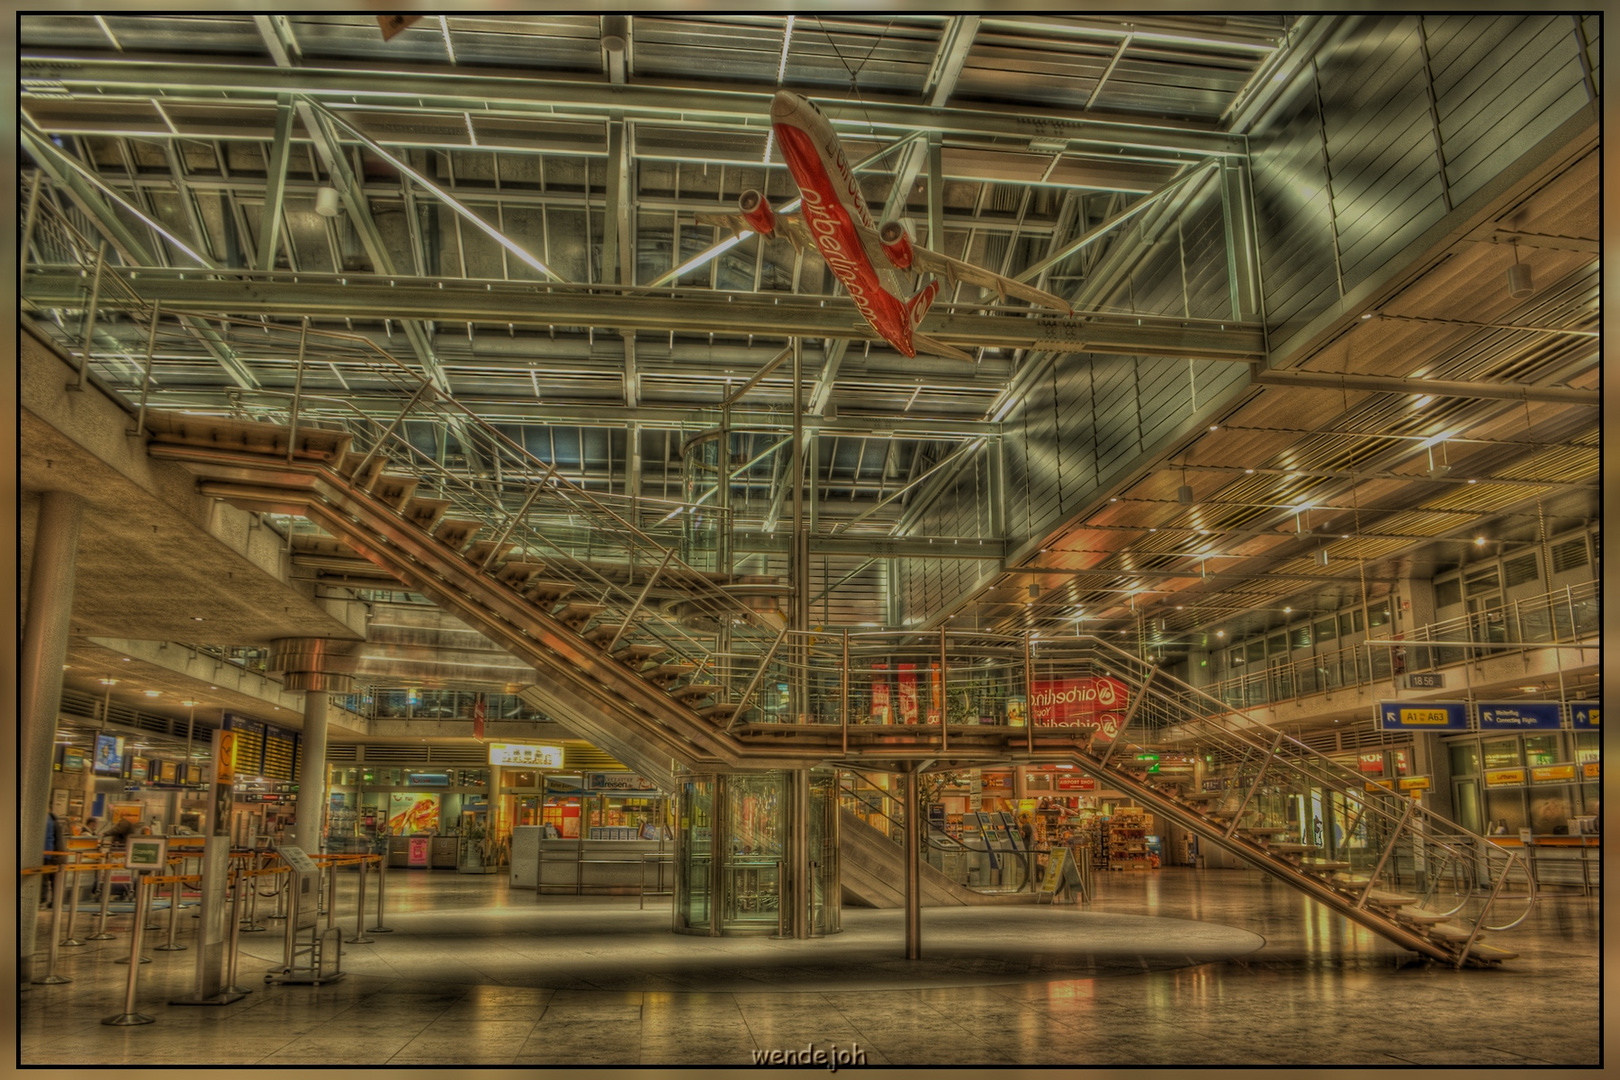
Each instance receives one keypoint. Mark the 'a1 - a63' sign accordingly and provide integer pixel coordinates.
(1097, 702)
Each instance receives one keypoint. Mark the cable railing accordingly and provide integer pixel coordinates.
(1563, 616)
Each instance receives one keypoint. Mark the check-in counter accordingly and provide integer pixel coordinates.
(443, 856)
(594, 866)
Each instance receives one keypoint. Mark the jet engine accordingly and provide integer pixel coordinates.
(757, 212)
(896, 237)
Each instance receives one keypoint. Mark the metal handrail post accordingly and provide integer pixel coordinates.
(146, 372)
(382, 882)
(1130, 713)
(510, 525)
(640, 599)
(944, 727)
(331, 895)
(129, 1017)
(360, 908)
(1259, 778)
(298, 389)
(1389, 849)
(1029, 693)
(388, 432)
(759, 673)
(88, 334)
(174, 917)
(101, 934)
(843, 692)
(53, 946)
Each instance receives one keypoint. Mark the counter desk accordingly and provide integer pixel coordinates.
(589, 866)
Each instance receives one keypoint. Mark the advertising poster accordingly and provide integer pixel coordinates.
(412, 812)
(880, 696)
(109, 755)
(1098, 702)
(908, 693)
(936, 706)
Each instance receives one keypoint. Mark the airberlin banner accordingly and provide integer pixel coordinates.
(1097, 703)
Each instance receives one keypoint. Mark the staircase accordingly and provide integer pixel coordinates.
(647, 687)
(1383, 860)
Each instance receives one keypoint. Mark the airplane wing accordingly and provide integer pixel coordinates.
(954, 270)
(791, 226)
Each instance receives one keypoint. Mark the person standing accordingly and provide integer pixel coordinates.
(48, 887)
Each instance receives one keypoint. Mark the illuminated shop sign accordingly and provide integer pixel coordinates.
(598, 781)
(532, 755)
(1098, 703)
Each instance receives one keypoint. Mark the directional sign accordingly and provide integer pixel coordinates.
(1427, 716)
(1584, 713)
(1519, 716)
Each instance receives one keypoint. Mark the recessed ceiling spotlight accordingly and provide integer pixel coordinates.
(196, 618)
(1220, 633)
(1214, 427)
(1248, 472)
(191, 703)
(109, 682)
(1471, 481)
(152, 693)
(1479, 541)
(126, 659)
(1286, 610)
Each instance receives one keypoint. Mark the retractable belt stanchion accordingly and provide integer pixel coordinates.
(174, 916)
(236, 928)
(382, 883)
(129, 1017)
(360, 908)
(105, 877)
(250, 925)
(51, 978)
(73, 905)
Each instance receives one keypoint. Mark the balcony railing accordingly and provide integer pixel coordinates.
(1565, 616)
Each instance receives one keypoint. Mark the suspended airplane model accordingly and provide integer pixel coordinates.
(868, 259)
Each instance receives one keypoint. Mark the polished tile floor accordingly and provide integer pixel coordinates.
(1169, 967)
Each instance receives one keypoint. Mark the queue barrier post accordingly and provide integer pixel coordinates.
(129, 1017)
(382, 882)
(174, 916)
(104, 875)
(231, 986)
(73, 904)
(360, 908)
(251, 924)
(51, 978)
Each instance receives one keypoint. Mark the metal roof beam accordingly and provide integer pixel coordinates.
(99, 76)
(768, 314)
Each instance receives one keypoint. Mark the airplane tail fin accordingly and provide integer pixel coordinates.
(920, 302)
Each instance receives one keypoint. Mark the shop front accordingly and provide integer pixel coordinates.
(419, 816)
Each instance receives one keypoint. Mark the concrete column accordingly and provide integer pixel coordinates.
(312, 774)
(39, 679)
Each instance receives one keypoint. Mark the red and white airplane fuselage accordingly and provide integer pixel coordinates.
(833, 206)
(874, 263)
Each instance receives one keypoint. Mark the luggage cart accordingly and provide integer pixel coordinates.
(312, 955)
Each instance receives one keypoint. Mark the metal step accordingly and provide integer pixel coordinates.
(547, 592)
(723, 710)
(395, 490)
(425, 513)
(639, 652)
(517, 572)
(576, 613)
(694, 691)
(662, 675)
(455, 532)
(373, 468)
(488, 551)
(187, 429)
